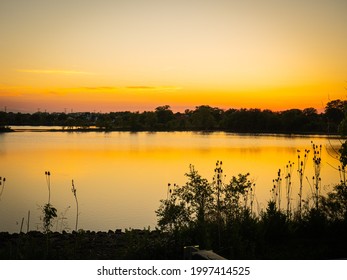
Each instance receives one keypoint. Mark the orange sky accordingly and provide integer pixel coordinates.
(109, 55)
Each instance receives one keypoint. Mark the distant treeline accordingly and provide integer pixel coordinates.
(203, 118)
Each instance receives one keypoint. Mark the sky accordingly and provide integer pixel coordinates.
(116, 55)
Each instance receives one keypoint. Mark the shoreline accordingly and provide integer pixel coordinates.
(261, 133)
(149, 245)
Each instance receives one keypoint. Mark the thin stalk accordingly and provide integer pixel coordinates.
(48, 180)
(28, 222)
(301, 172)
(73, 189)
(218, 177)
(21, 226)
(252, 196)
(317, 151)
(289, 170)
(276, 190)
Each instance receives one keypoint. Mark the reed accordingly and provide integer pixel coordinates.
(301, 174)
(49, 212)
(48, 181)
(317, 152)
(276, 190)
(288, 179)
(74, 191)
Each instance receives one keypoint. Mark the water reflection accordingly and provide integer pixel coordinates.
(122, 176)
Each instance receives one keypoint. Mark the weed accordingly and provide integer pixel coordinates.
(301, 172)
(288, 178)
(73, 189)
(276, 190)
(317, 151)
(49, 212)
(48, 181)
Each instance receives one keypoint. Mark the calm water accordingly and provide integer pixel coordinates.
(120, 176)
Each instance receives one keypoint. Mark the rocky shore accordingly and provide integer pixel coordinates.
(138, 244)
(133, 244)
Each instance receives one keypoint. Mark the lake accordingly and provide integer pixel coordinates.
(121, 176)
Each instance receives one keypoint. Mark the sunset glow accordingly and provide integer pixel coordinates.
(87, 55)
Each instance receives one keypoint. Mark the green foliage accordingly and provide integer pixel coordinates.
(49, 213)
(172, 215)
(188, 204)
(197, 195)
(236, 196)
(334, 204)
(207, 210)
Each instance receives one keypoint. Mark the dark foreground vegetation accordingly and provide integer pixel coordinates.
(202, 118)
(222, 216)
(156, 245)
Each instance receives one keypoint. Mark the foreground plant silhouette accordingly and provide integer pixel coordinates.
(219, 215)
(73, 189)
(49, 212)
(200, 206)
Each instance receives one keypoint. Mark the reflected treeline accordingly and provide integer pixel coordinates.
(202, 118)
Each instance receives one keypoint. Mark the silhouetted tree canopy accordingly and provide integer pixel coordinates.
(202, 118)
